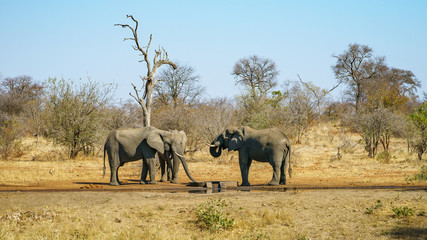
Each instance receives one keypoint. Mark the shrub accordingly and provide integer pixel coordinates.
(422, 176)
(9, 145)
(376, 206)
(214, 214)
(419, 121)
(384, 157)
(73, 114)
(403, 211)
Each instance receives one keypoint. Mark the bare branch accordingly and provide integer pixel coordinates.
(160, 58)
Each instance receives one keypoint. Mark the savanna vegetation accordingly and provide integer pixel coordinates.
(380, 104)
(52, 135)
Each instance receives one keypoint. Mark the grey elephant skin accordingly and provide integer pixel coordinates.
(267, 145)
(131, 144)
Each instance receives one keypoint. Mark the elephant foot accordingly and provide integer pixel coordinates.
(174, 181)
(162, 180)
(282, 182)
(245, 184)
(273, 183)
(114, 183)
(152, 182)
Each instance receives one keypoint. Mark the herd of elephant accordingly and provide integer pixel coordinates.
(131, 144)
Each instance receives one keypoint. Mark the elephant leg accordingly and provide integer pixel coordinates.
(152, 169)
(175, 169)
(244, 163)
(114, 179)
(144, 171)
(169, 167)
(114, 160)
(276, 164)
(283, 168)
(162, 161)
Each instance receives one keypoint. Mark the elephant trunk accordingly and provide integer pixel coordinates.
(184, 164)
(105, 150)
(215, 149)
(289, 160)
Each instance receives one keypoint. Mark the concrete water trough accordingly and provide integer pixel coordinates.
(214, 184)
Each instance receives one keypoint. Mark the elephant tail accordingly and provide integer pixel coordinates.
(104, 169)
(289, 160)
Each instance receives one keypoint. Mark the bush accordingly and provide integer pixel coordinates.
(73, 114)
(403, 211)
(384, 157)
(9, 145)
(419, 121)
(214, 214)
(422, 176)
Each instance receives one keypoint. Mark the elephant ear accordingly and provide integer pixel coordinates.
(155, 141)
(236, 141)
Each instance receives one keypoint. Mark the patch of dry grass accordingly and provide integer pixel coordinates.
(258, 215)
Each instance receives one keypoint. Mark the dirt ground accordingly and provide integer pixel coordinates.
(87, 176)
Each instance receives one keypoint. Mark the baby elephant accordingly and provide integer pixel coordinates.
(267, 145)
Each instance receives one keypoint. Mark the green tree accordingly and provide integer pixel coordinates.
(419, 120)
(392, 88)
(73, 113)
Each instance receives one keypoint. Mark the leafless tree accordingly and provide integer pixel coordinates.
(318, 93)
(300, 110)
(201, 121)
(178, 86)
(149, 81)
(19, 96)
(256, 74)
(356, 66)
(17, 92)
(376, 127)
(126, 114)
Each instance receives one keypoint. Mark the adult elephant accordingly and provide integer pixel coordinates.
(267, 145)
(131, 144)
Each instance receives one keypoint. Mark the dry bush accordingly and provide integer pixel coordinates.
(201, 122)
(51, 156)
(347, 145)
(10, 145)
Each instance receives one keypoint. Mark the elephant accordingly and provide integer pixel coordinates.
(266, 145)
(131, 144)
(165, 166)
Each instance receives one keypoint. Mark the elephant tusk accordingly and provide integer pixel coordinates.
(179, 155)
(210, 145)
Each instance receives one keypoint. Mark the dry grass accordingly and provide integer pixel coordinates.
(294, 214)
(327, 214)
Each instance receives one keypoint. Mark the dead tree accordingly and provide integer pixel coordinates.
(160, 58)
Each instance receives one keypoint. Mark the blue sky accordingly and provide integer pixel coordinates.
(78, 39)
